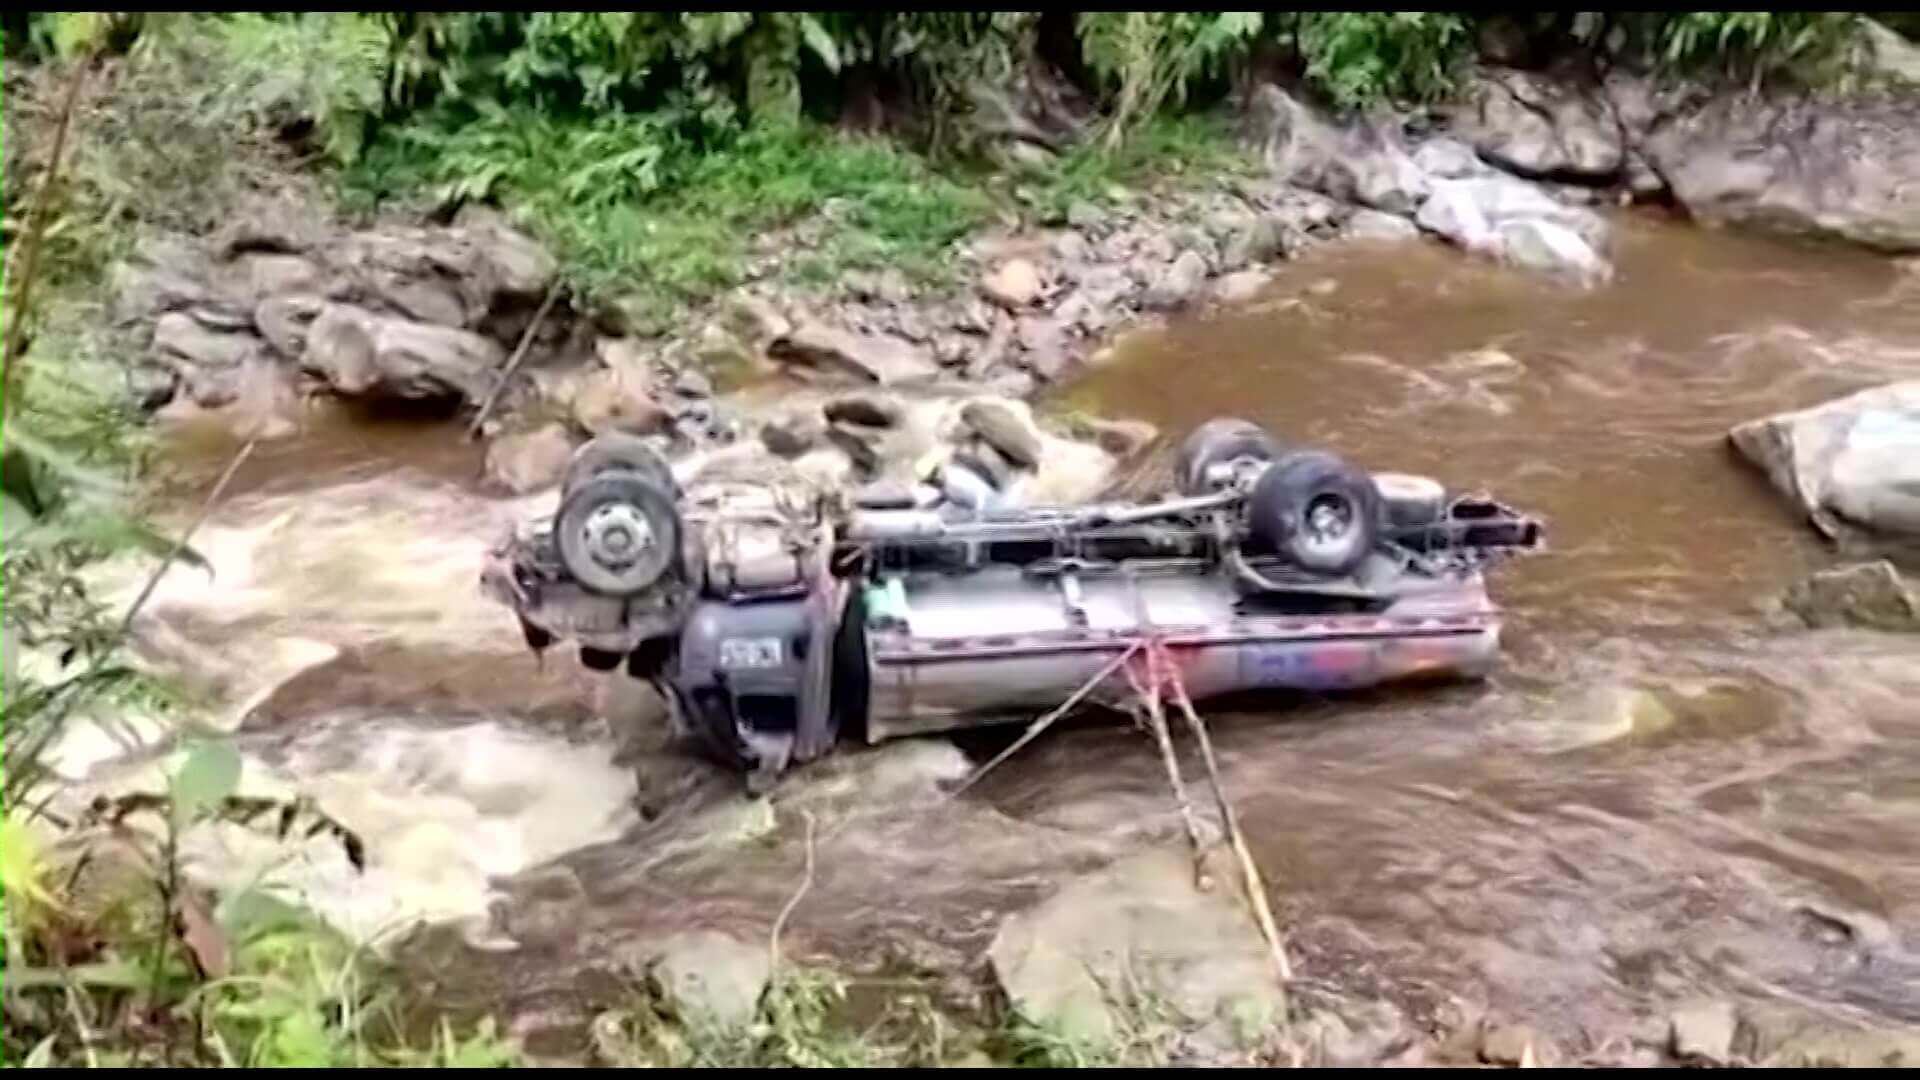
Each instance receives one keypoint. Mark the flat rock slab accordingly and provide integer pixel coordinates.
(1138, 927)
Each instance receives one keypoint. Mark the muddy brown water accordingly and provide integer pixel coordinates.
(1658, 795)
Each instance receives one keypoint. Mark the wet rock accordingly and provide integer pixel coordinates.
(1073, 248)
(1535, 244)
(1069, 472)
(1375, 226)
(872, 410)
(180, 335)
(1045, 340)
(1178, 284)
(1121, 438)
(692, 383)
(869, 357)
(1537, 126)
(164, 274)
(718, 350)
(1703, 1031)
(1449, 159)
(794, 431)
(952, 350)
(1241, 286)
(706, 975)
(1013, 284)
(1454, 214)
(512, 264)
(756, 319)
(1014, 383)
(1007, 426)
(1643, 183)
(257, 399)
(269, 225)
(529, 461)
(1503, 199)
(1785, 1036)
(1516, 222)
(1515, 1044)
(428, 300)
(1852, 464)
(1363, 163)
(1257, 241)
(547, 905)
(1071, 311)
(1106, 289)
(151, 385)
(360, 353)
(1139, 922)
(273, 274)
(617, 399)
(1872, 595)
(1821, 167)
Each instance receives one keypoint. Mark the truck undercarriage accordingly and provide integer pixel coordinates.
(778, 625)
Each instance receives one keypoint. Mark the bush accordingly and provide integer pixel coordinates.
(667, 208)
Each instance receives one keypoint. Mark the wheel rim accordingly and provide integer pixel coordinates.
(617, 535)
(1327, 524)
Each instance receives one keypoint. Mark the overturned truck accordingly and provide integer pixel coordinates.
(777, 626)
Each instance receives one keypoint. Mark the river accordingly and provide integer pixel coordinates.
(1659, 794)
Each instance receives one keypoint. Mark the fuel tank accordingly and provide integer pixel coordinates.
(1003, 645)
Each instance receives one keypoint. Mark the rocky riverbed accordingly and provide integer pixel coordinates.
(1664, 834)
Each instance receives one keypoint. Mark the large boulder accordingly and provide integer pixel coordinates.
(449, 276)
(1538, 126)
(362, 354)
(1550, 248)
(877, 358)
(180, 336)
(1869, 594)
(1139, 926)
(1449, 159)
(1363, 163)
(1517, 222)
(1835, 168)
(1852, 464)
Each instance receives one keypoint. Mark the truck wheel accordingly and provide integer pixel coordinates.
(1317, 511)
(618, 452)
(617, 533)
(1215, 442)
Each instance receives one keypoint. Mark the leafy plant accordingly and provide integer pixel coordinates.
(1757, 45)
(1359, 58)
(1152, 58)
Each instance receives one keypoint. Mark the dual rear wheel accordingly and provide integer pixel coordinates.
(1312, 507)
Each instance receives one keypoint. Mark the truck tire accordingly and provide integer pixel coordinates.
(1219, 440)
(618, 452)
(617, 533)
(1317, 511)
